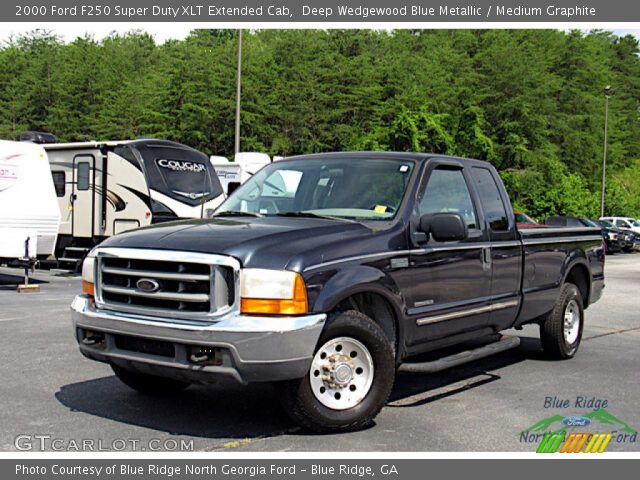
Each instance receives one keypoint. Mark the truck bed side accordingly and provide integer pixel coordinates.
(553, 256)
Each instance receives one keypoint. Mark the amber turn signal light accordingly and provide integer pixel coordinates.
(88, 288)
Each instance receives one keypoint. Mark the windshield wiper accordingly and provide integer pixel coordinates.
(312, 215)
(236, 213)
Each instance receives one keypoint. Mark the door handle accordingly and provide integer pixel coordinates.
(486, 258)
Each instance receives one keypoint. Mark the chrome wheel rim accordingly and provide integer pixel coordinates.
(341, 373)
(571, 322)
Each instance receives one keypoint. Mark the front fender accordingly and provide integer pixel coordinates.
(358, 279)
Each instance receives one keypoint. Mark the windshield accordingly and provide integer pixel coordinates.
(606, 224)
(524, 218)
(590, 223)
(635, 223)
(350, 188)
(177, 171)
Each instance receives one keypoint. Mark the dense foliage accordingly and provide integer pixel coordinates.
(529, 101)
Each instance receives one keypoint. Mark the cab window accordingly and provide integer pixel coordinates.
(492, 204)
(447, 192)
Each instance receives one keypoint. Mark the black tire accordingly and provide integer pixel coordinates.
(148, 384)
(304, 408)
(556, 344)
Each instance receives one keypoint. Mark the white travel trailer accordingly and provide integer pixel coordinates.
(106, 188)
(28, 207)
(233, 174)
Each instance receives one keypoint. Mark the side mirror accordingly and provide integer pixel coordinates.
(444, 227)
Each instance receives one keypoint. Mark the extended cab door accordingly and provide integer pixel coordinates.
(505, 246)
(451, 280)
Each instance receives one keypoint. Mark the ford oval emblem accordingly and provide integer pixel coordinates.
(147, 285)
(576, 421)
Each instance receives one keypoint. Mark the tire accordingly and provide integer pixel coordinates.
(148, 384)
(317, 403)
(561, 331)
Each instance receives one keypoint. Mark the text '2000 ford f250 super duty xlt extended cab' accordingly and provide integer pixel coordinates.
(326, 274)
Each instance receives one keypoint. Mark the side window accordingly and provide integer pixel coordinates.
(447, 191)
(59, 183)
(621, 224)
(494, 209)
(83, 176)
(574, 222)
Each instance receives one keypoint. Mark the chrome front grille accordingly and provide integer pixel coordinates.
(166, 283)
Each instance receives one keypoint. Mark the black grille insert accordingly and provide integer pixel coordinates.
(145, 345)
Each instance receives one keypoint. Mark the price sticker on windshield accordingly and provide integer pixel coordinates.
(380, 209)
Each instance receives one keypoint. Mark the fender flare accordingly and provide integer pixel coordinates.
(575, 258)
(363, 279)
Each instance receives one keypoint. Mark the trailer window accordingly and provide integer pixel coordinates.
(59, 179)
(84, 170)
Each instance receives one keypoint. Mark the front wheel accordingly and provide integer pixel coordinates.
(561, 331)
(349, 380)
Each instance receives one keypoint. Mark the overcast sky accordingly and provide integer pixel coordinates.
(160, 31)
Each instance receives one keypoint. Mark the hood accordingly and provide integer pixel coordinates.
(267, 242)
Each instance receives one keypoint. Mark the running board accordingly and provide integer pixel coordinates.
(505, 343)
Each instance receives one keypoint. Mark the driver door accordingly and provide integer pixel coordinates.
(451, 280)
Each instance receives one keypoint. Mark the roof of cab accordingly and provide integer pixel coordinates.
(400, 156)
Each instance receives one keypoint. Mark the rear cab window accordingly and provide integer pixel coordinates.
(495, 211)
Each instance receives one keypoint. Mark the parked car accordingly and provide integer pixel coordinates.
(626, 223)
(326, 274)
(631, 240)
(615, 241)
(525, 221)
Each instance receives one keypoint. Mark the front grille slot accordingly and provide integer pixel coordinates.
(180, 288)
(144, 345)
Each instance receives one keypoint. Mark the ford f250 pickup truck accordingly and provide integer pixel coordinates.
(329, 273)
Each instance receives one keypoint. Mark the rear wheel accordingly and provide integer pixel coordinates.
(561, 332)
(148, 384)
(350, 378)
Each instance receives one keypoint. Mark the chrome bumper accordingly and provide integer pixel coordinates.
(247, 348)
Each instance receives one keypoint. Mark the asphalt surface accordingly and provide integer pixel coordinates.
(53, 397)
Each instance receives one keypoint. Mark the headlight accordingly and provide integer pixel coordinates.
(272, 292)
(88, 274)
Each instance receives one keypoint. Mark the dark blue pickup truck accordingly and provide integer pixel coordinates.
(327, 274)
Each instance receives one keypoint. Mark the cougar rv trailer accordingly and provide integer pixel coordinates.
(28, 207)
(106, 188)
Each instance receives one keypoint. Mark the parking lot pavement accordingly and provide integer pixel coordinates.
(55, 398)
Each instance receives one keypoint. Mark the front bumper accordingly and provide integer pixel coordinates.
(244, 348)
